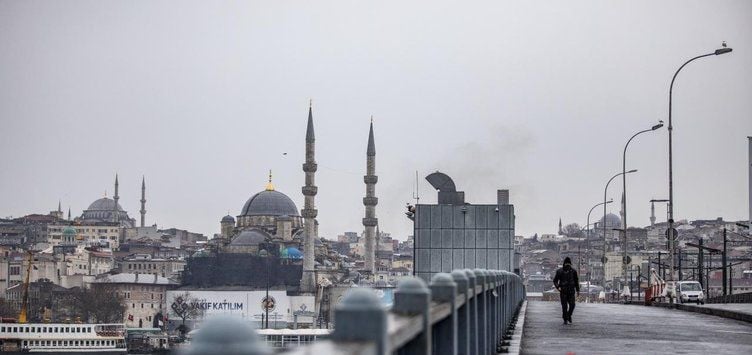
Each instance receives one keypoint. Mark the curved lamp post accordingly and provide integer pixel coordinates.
(624, 197)
(719, 51)
(605, 192)
(587, 238)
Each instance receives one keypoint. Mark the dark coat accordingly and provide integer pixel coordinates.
(566, 279)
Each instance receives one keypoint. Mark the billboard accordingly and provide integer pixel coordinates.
(249, 305)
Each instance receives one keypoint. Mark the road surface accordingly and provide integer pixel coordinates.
(631, 329)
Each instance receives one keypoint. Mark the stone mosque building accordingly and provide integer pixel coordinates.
(269, 220)
(108, 210)
(268, 216)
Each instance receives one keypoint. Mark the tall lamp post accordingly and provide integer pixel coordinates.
(605, 244)
(671, 290)
(587, 235)
(624, 197)
(265, 255)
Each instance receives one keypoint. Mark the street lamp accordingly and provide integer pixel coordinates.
(624, 196)
(265, 255)
(718, 51)
(605, 192)
(587, 239)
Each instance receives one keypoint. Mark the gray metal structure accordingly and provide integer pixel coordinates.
(465, 312)
(455, 235)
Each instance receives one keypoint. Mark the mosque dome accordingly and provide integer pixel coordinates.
(104, 204)
(612, 221)
(292, 253)
(250, 237)
(69, 231)
(269, 203)
(228, 219)
(201, 254)
(103, 210)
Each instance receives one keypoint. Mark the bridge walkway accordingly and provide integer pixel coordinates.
(631, 329)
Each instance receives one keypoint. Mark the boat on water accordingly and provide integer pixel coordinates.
(62, 338)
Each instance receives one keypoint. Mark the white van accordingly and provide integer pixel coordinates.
(689, 291)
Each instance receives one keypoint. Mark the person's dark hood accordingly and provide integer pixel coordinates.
(567, 264)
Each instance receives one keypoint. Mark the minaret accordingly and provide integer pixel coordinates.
(370, 201)
(652, 213)
(561, 231)
(59, 209)
(143, 201)
(116, 215)
(69, 213)
(309, 212)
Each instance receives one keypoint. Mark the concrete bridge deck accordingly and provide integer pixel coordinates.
(631, 329)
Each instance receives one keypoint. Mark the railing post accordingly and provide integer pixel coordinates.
(473, 310)
(444, 333)
(463, 313)
(357, 305)
(482, 313)
(235, 335)
(412, 297)
(493, 320)
(499, 324)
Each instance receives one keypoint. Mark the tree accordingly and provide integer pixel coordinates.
(99, 304)
(573, 230)
(185, 306)
(7, 309)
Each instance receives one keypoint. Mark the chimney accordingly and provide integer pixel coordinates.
(502, 197)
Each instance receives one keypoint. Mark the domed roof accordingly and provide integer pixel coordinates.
(201, 253)
(69, 230)
(104, 204)
(228, 219)
(269, 203)
(250, 237)
(292, 253)
(612, 221)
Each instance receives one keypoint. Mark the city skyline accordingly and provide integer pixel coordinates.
(204, 106)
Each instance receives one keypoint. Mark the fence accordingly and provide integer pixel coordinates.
(467, 312)
(735, 298)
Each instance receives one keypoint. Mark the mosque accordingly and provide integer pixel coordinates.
(268, 216)
(108, 210)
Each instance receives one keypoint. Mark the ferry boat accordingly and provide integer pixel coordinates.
(63, 338)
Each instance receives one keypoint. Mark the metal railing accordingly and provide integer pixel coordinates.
(735, 298)
(467, 312)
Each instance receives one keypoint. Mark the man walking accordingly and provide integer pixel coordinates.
(567, 282)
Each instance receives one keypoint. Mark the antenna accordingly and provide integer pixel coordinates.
(416, 192)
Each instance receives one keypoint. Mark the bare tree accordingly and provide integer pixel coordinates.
(7, 309)
(573, 230)
(99, 304)
(185, 306)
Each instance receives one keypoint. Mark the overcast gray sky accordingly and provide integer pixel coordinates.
(204, 97)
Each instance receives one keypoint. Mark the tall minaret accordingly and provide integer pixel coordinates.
(370, 201)
(143, 201)
(561, 231)
(309, 212)
(69, 213)
(652, 213)
(116, 214)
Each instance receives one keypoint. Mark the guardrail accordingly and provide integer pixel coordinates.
(468, 312)
(735, 298)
